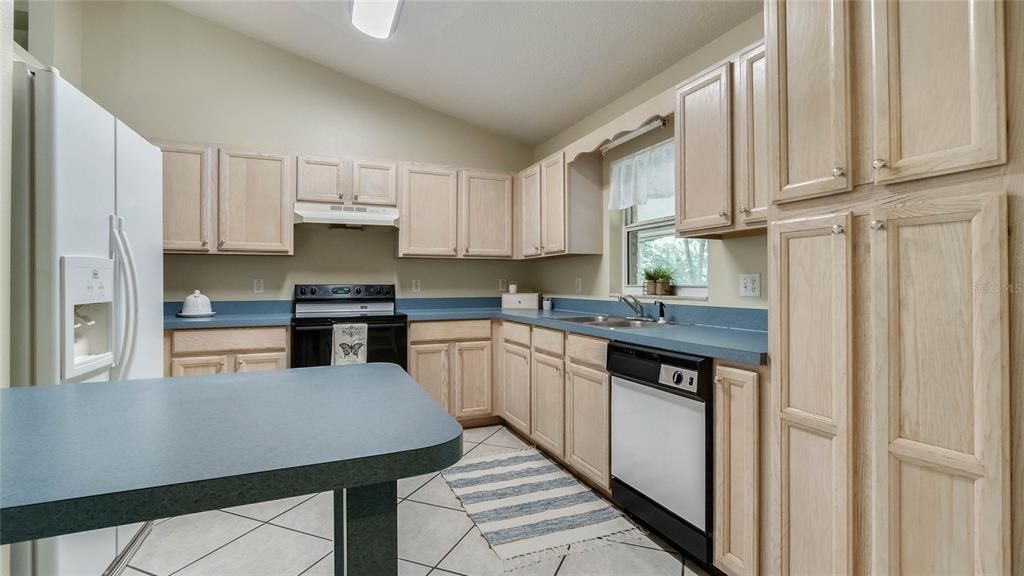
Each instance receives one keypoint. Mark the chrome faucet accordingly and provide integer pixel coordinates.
(634, 305)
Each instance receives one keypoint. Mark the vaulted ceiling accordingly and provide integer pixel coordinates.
(520, 68)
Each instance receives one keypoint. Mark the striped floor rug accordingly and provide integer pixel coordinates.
(525, 505)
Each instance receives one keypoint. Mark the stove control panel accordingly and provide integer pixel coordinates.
(344, 292)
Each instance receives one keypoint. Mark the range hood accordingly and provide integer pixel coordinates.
(310, 213)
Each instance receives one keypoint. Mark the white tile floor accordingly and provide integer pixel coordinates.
(292, 537)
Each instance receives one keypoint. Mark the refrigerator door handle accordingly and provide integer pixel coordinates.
(120, 364)
(133, 281)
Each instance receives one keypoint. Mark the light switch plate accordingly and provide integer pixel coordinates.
(415, 285)
(750, 285)
(257, 285)
(579, 284)
(502, 285)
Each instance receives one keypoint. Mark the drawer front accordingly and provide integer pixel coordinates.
(448, 331)
(226, 339)
(518, 333)
(585, 350)
(549, 341)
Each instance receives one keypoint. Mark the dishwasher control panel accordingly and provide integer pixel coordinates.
(677, 377)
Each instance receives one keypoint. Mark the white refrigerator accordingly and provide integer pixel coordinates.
(87, 277)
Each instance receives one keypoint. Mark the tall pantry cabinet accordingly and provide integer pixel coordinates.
(889, 436)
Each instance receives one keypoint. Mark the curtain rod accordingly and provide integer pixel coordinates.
(659, 122)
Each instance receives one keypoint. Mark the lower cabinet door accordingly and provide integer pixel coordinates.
(199, 366)
(736, 471)
(587, 424)
(261, 361)
(472, 382)
(428, 366)
(547, 398)
(942, 388)
(515, 400)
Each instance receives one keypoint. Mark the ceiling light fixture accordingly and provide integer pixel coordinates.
(375, 18)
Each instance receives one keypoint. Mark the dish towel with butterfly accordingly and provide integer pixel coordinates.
(349, 344)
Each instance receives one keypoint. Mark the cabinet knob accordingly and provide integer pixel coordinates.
(877, 224)
(837, 229)
(220, 244)
(878, 164)
(204, 243)
(722, 213)
(341, 195)
(838, 172)
(718, 379)
(744, 210)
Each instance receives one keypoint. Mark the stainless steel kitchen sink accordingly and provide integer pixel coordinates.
(611, 322)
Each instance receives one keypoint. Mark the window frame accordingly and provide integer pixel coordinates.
(683, 292)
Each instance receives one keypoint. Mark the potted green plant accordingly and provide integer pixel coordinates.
(663, 280)
(650, 281)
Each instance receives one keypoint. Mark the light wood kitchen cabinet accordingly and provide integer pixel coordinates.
(751, 157)
(199, 365)
(429, 201)
(809, 95)
(374, 182)
(188, 182)
(703, 126)
(323, 179)
(255, 202)
(553, 211)
(225, 350)
(737, 488)
(528, 194)
(588, 409)
(452, 361)
(515, 389)
(547, 402)
(485, 214)
(939, 99)
(429, 367)
(472, 379)
(260, 361)
(941, 356)
(810, 338)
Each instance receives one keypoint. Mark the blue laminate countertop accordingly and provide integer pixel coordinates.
(232, 314)
(83, 456)
(736, 345)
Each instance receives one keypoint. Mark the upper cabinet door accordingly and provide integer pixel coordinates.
(809, 119)
(255, 202)
(529, 210)
(552, 191)
(374, 182)
(323, 179)
(939, 87)
(941, 418)
(188, 197)
(810, 338)
(752, 163)
(704, 151)
(429, 211)
(485, 214)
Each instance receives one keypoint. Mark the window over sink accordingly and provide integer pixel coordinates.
(643, 187)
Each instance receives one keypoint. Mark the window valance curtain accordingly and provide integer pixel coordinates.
(646, 174)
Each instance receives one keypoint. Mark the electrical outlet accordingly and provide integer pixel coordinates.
(257, 285)
(415, 285)
(579, 284)
(750, 285)
(502, 285)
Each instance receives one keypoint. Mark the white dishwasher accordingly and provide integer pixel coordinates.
(662, 433)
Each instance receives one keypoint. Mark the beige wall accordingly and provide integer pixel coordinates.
(323, 255)
(6, 36)
(172, 75)
(56, 36)
(739, 37)
(602, 275)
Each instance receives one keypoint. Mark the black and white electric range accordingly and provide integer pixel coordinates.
(316, 308)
